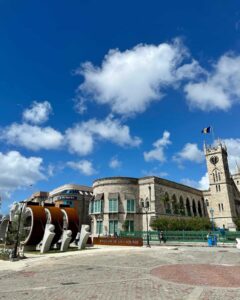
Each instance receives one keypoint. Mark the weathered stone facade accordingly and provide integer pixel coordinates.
(120, 199)
(223, 196)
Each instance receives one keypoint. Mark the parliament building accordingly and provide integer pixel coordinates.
(121, 203)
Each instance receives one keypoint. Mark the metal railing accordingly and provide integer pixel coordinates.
(184, 236)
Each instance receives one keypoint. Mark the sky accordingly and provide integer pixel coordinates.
(92, 89)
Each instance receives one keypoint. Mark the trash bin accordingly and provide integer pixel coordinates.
(210, 241)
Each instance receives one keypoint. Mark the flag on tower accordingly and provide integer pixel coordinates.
(206, 130)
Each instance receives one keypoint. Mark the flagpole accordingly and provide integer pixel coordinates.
(213, 135)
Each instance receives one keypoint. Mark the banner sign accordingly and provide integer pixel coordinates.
(118, 241)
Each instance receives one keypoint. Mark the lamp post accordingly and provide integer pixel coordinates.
(212, 212)
(14, 255)
(145, 206)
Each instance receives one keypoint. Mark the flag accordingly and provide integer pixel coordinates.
(206, 130)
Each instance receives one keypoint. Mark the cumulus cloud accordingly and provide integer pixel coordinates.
(220, 88)
(31, 136)
(18, 171)
(233, 147)
(129, 81)
(82, 136)
(38, 113)
(202, 184)
(114, 163)
(83, 166)
(157, 153)
(190, 152)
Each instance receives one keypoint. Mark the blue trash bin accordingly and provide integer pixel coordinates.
(210, 241)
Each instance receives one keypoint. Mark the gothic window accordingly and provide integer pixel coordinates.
(216, 188)
(222, 206)
(214, 177)
(194, 208)
(219, 176)
(219, 206)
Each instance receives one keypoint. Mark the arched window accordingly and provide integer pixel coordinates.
(199, 209)
(167, 205)
(175, 205)
(188, 207)
(194, 208)
(181, 206)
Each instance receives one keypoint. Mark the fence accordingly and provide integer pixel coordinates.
(184, 236)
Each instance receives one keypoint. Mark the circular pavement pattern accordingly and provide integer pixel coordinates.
(205, 275)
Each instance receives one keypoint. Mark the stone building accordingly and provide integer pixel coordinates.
(117, 203)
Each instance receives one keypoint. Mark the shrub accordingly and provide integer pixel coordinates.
(4, 254)
(181, 223)
(237, 223)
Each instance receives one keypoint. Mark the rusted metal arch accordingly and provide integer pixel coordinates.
(38, 223)
(56, 218)
(72, 221)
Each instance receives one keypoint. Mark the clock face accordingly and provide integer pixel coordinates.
(214, 160)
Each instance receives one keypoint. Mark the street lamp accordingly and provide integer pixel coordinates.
(146, 206)
(212, 212)
(14, 255)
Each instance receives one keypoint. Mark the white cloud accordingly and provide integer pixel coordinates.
(18, 171)
(157, 153)
(220, 89)
(202, 184)
(115, 163)
(190, 152)
(82, 136)
(129, 81)
(233, 148)
(84, 166)
(32, 137)
(80, 105)
(38, 112)
(79, 141)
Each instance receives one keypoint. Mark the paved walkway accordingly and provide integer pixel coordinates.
(119, 273)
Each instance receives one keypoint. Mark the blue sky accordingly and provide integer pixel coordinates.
(90, 89)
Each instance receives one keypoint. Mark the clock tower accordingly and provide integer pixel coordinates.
(221, 196)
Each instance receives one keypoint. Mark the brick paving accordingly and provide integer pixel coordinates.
(120, 273)
(207, 275)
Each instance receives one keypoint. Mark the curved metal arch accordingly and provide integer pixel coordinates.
(55, 217)
(37, 217)
(72, 221)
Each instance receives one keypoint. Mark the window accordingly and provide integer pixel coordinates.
(97, 206)
(222, 206)
(207, 202)
(213, 177)
(129, 225)
(219, 188)
(113, 205)
(99, 228)
(219, 177)
(131, 205)
(219, 207)
(216, 188)
(113, 226)
(91, 203)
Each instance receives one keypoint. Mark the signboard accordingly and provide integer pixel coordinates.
(118, 241)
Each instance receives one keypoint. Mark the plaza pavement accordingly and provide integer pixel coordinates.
(124, 273)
